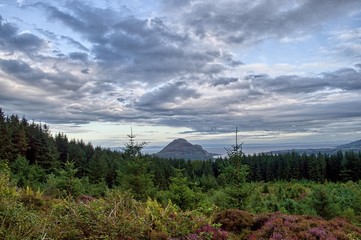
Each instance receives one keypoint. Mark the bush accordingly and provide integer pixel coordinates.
(281, 226)
(171, 220)
(234, 220)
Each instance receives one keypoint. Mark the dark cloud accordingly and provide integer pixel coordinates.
(85, 71)
(80, 56)
(69, 40)
(75, 43)
(36, 77)
(21, 70)
(284, 104)
(12, 40)
(224, 81)
(92, 22)
(344, 79)
(170, 93)
(139, 49)
(149, 51)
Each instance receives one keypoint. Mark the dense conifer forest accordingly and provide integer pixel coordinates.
(53, 187)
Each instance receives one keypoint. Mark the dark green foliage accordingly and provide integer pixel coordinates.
(64, 182)
(180, 192)
(234, 174)
(134, 174)
(293, 166)
(98, 166)
(42, 150)
(25, 174)
(163, 170)
(62, 145)
(322, 203)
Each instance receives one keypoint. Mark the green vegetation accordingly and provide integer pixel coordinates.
(55, 188)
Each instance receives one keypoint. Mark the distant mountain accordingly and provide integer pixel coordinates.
(352, 146)
(182, 149)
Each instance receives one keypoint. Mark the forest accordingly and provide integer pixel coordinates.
(52, 187)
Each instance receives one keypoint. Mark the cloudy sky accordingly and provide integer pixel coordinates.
(280, 70)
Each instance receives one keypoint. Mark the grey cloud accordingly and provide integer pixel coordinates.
(322, 111)
(91, 21)
(34, 76)
(230, 61)
(293, 118)
(21, 70)
(296, 84)
(11, 40)
(249, 22)
(175, 4)
(242, 105)
(138, 49)
(83, 57)
(345, 79)
(308, 117)
(47, 33)
(55, 37)
(75, 43)
(224, 81)
(85, 71)
(68, 19)
(169, 93)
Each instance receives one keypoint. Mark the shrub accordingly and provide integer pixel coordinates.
(210, 232)
(234, 220)
(281, 226)
(171, 220)
(206, 232)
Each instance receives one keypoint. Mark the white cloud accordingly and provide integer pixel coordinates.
(20, 2)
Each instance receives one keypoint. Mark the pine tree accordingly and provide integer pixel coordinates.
(322, 203)
(98, 166)
(61, 142)
(135, 174)
(317, 168)
(5, 138)
(235, 174)
(180, 192)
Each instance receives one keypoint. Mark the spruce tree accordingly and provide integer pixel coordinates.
(235, 174)
(134, 174)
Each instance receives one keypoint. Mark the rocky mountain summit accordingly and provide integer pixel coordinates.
(182, 149)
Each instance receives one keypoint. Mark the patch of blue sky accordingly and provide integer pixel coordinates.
(287, 50)
(31, 19)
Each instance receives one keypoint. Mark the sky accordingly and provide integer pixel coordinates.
(281, 71)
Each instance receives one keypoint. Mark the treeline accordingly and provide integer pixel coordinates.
(339, 167)
(54, 187)
(38, 158)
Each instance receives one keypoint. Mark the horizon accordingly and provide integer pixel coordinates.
(279, 71)
(253, 148)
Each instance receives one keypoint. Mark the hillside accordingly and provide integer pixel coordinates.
(182, 149)
(352, 146)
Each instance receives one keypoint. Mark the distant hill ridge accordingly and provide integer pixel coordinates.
(182, 149)
(352, 146)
